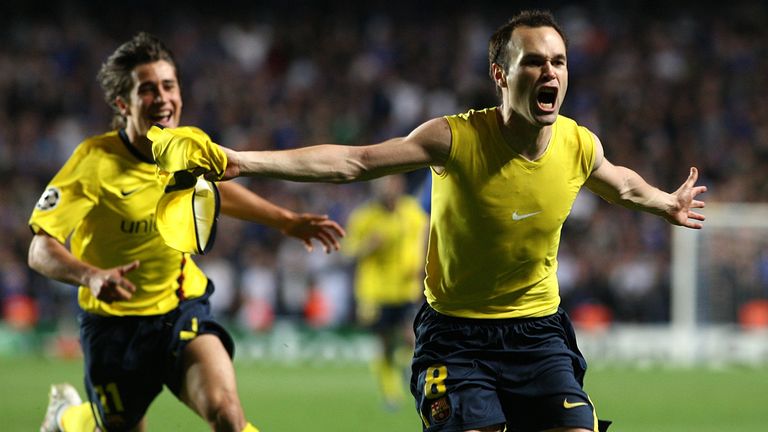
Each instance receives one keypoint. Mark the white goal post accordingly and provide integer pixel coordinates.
(729, 228)
(715, 272)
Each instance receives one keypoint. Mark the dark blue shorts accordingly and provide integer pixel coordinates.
(394, 316)
(129, 359)
(525, 373)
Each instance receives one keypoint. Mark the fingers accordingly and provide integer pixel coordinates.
(697, 190)
(336, 228)
(330, 242)
(327, 239)
(692, 225)
(121, 293)
(694, 175)
(116, 289)
(128, 268)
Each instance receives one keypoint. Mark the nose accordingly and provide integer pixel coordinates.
(548, 70)
(162, 94)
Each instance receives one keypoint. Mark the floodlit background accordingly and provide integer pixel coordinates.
(665, 315)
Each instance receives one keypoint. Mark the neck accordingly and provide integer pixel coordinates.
(140, 142)
(528, 140)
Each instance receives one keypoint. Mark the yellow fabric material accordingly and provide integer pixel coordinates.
(497, 217)
(78, 418)
(186, 148)
(186, 218)
(250, 428)
(392, 274)
(104, 200)
(390, 379)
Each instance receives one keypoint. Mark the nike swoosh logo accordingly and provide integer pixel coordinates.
(569, 405)
(517, 217)
(128, 192)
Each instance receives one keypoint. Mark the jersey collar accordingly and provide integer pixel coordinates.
(131, 148)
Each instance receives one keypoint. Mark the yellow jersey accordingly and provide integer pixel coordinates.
(390, 275)
(497, 216)
(103, 200)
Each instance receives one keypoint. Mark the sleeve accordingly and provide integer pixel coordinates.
(69, 197)
(588, 149)
(455, 144)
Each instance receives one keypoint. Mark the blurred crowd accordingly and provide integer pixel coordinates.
(665, 86)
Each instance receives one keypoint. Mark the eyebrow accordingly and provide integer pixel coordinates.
(162, 82)
(537, 56)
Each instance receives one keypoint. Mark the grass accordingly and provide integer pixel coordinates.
(681, 400)
(343, 398)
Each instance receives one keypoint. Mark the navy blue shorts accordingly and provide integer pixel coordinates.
(525, 373)
(394, 316)
(129, 359)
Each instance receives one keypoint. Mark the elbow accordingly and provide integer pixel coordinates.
(33, 256)
(40, 253)
(352, 171)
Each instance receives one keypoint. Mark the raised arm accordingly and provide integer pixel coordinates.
(621, 185)
(428, 145)
(239, 202)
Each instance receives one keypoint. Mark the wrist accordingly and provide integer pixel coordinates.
(287, 219)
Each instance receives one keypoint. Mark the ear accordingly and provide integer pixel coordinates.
(499, 76)
(121, 105)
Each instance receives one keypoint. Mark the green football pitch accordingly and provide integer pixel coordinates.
(343, 397)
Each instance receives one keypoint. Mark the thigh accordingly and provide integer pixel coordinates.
(208, 375)
(188, 323)
(123, 368)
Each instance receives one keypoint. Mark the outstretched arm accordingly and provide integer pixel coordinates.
(621, 185)
(429, 144)
(241, 203)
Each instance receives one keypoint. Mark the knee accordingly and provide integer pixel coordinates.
(224, 413)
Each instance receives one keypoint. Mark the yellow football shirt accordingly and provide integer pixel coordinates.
(391, 274)
(103, 199)
(497, 217)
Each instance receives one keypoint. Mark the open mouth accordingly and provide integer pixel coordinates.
(546, 98)
(163, 117)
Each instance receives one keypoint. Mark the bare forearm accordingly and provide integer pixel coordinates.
(51, 259)
(332, 163)
(321, 163)
(240, 203)
(635, 193)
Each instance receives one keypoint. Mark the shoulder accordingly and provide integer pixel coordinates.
(583, 140)
(569, 128)
(567, 123)
(98, 144)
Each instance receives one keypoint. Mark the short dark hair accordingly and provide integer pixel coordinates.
(115, 73)
(497, 46)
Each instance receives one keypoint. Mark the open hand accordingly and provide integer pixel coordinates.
(685, 195)
(111, 285)
(308, 226)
